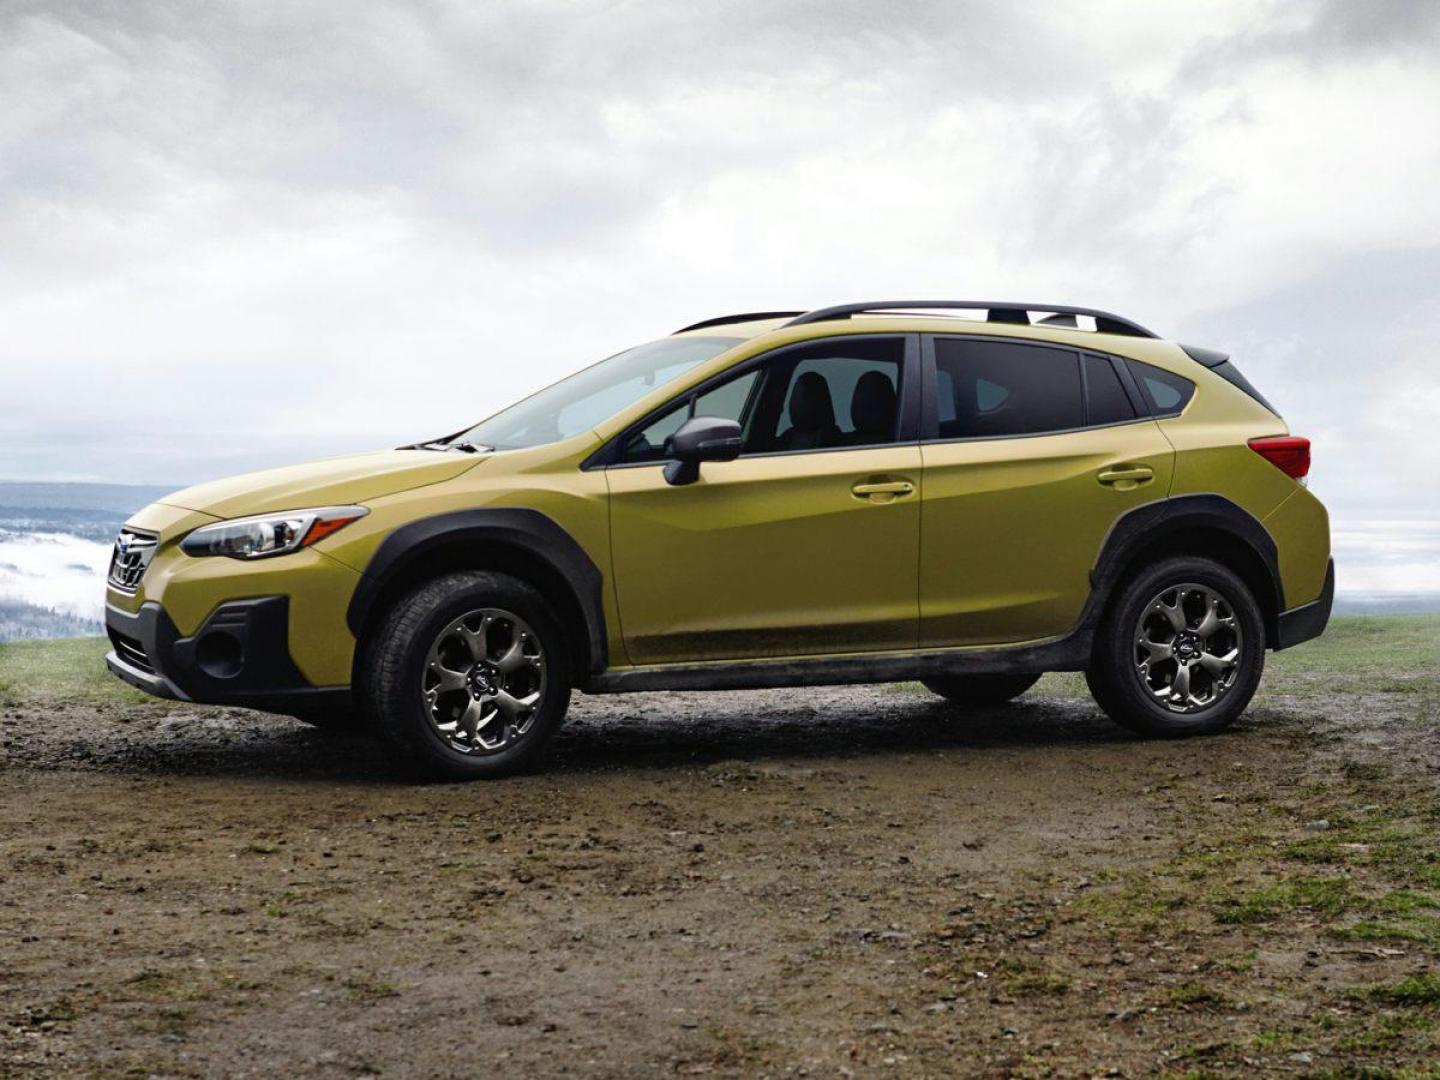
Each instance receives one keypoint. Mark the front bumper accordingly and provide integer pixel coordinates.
(1308, 620)
(239, 656)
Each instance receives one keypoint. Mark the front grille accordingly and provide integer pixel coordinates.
(131, 651)
(131, 557)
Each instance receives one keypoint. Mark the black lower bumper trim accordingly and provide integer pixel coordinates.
(240, 656)
(1308, 620)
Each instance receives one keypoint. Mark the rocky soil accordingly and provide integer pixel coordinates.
(841, 882)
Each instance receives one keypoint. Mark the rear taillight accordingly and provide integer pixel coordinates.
(1288, 453)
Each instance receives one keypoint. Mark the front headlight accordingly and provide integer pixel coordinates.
(270, 534)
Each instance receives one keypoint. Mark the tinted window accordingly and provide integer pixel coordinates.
(844, 393)
(1227, 370)
(727, 400)
(1167, 393)
(839, 393)
(1105, 399)
(988, 389)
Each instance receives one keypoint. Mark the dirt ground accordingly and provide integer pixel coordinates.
(840, 882)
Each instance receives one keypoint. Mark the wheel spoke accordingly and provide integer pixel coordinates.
(1181, 686)
(1218, 666)
(1173, 613)
(1212, 619)
(447, 679)
(514, 657)
(1158, 650)
(475, 640)
(470, 721)
(513, 708)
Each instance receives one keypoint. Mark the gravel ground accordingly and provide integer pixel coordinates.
(839, 882)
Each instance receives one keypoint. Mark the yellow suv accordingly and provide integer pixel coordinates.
(964, 493)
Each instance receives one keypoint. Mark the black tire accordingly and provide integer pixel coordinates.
(980, 690)
(396, 660)
(1115, 676)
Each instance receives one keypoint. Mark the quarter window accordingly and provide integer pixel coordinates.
(1167, 392)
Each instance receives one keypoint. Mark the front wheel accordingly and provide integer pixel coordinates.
(1180, 652)
(980, 690)
(468, 676)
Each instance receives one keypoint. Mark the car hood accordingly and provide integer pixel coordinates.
(334, 482)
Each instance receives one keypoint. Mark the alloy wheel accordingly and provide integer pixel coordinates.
(483, 682)
(1188, 647)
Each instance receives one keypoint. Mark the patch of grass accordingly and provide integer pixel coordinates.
(1413, 991)
(369, 988)
(1236, 963)
(1366, 651)
(1373, 931)
(1277, 1042)
(1324, 896)
(1191, 993)
(1037, 983)
(70, 669)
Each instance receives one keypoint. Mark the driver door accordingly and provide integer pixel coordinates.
(808, 543)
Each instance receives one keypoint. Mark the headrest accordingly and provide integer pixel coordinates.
(810, 404)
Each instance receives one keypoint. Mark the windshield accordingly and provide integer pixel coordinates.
(592, 396)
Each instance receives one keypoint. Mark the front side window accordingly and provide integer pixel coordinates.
(727, 401)
(592, 396)
(832, 395)
(992, 389)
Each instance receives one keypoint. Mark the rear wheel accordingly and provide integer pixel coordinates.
(469, 676)
(1181, 651)
(980, 690)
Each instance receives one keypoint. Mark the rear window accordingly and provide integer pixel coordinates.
(1166, 392)
(1231, 374)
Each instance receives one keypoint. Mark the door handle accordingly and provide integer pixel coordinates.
(1126, 477)
(882, 491)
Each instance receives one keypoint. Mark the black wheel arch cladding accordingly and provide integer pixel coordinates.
(523, 542)
(1206, 525)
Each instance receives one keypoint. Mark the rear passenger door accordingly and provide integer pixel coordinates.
(1030, 451)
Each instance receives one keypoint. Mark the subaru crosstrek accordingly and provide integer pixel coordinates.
(963, 493)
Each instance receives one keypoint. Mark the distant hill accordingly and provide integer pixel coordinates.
(92, 511)
(20, 621)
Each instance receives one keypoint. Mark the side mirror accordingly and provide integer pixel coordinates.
(701, 438)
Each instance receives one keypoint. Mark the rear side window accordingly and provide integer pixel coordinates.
(1166, 392)
(1105, 399)
(990, 389)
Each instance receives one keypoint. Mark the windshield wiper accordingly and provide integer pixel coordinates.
(468, 447)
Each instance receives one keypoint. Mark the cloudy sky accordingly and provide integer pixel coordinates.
(238, 234)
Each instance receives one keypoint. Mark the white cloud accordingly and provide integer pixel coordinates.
(253, 232)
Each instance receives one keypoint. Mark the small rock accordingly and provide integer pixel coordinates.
(1318, 825)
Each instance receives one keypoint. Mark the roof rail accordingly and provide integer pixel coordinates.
(997, 310)
(746, 316)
